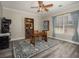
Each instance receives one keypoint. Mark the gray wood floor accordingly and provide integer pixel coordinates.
(63, 49)
(6, 53)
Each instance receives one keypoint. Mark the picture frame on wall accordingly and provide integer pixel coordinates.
(46, 25)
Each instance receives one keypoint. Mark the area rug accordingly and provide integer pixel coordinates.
(23, 49)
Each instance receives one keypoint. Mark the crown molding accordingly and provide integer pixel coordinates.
(18, 11)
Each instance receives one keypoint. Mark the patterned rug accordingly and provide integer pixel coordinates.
(23, 49)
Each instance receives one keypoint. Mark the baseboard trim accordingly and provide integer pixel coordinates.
(13, 39)
(77, 43)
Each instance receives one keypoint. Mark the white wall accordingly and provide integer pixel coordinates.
(17, 17)
(0, 14)
(45, 16)
(17, 26)
(0, 9)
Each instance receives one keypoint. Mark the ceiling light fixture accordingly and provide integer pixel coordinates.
(60, 5)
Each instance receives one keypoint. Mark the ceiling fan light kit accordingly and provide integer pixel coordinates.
(43, 7)
(60, 5)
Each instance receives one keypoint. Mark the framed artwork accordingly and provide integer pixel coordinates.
(46, 25)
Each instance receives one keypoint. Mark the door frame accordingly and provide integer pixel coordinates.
(32, 25)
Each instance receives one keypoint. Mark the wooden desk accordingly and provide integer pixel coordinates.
(38, 34)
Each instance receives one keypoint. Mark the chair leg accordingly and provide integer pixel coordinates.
(32, 41)
(45, 38)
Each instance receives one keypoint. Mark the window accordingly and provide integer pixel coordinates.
(64, 26)
(59, 24)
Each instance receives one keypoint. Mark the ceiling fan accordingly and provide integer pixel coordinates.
(42, 7)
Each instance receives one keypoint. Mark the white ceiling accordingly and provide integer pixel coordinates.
(26, 5)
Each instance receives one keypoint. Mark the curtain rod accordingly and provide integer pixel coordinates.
(66, 13)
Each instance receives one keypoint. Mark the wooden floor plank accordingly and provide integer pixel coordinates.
(61, 50)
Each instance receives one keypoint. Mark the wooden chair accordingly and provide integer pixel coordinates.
(44, 35)
(38, 34)
(34, 35)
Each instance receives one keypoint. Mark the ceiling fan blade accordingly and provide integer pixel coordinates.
(49, 5)
(45, 9)
(40, 3)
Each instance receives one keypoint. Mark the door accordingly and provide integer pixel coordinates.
(29, 27)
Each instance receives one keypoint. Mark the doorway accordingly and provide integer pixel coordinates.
(29, 27)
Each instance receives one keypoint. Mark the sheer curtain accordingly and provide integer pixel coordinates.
(66, 26)
(75, 17)
(53, 21)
